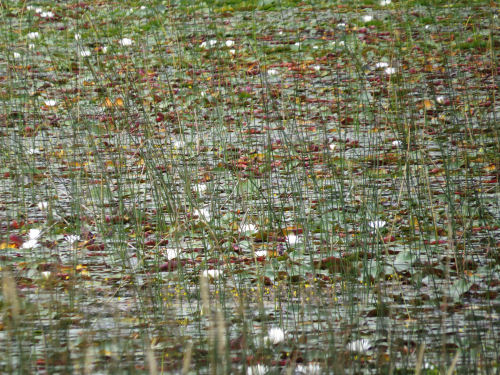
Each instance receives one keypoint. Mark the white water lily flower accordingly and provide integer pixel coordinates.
(42, 206)
(381, 65)
(232, 51)
(178, 143)
(341, 25)
(332, 146)
(317, 68)
(440, 99)
(104, 49)
(275, 335)
(34, 234)
(292, 239)
(397, 143)
(171, 253)
(38, 10)
(46, 274)
(30, 244)
(31, 46)
(339, 43)
(359, 346)
(249, 227)
(367, 18)
(210, 43)
(229, 43)
(125, 42)
(33, 151)
(47, 14)
(390, 70)
(200, 188)
(211, 274)
(261, 253)
(385, 2)
(312, 368)
(85, 53)
(377, 224)
(203, 213)
(34, 35)
(50, 103)
(258, 370)
(272, 72)
(17, 55)
(78, 36)
(72, 238)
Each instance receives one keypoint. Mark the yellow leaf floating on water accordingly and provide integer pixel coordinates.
(428, 104)
(5, 245)
(108, 103)
(490, 168)
(119, 102)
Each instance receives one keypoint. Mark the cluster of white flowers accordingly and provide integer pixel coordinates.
(367, 18)
(40, 11)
